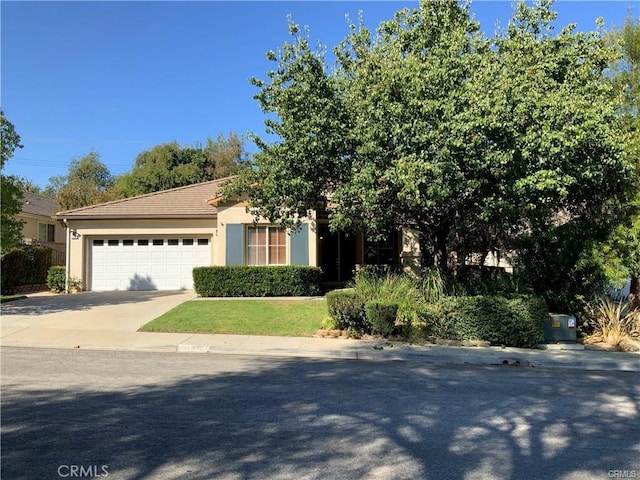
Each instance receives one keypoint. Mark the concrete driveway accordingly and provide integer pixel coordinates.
(48, 319)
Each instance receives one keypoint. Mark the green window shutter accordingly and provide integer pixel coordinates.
(234, 244)
(300, 246)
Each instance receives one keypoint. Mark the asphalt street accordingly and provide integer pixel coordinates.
(140, 415)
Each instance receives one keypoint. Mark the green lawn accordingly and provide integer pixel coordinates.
(292, 318)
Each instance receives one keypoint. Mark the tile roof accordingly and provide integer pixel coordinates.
(182, 202)
(38, 205)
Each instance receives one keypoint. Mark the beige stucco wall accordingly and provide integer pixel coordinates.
(237, 213)
(30, 227)
(410, 252)
(79, 248)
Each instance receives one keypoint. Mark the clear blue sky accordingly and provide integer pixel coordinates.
(121, 77)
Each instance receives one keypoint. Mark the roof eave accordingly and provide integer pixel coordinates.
(132, 217)
(220, 198)
(35, 216)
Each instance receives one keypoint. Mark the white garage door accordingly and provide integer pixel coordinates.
(146, 263)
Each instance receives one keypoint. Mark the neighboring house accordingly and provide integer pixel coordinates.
(153, 241)
(39, 227)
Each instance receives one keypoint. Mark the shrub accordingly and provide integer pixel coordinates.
(263, 281)
(348, 309)
(513, 322)
(75, 284)
(56, 278)
(439, 318)
(381, 316)
(407, 292)
(330, 323)
(14, 268)
(25, 265)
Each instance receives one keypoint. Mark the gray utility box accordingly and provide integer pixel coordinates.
(560, 328)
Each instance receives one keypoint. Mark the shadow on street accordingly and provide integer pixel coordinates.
(293, 418)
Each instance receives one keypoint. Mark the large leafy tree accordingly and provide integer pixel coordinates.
(88, 182)
(625, 241)
(473, 142)
(579, 180)
(407, 95)
(165, 166)
(171, 165)
(27, 185)
(10, 227)
(225, 156)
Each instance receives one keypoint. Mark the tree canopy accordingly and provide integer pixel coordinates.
(88, 182)
(10, 227)
(476, 143)
(171, 165)
(164, 166)
(10, 139)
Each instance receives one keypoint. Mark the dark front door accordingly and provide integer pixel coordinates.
(337, 255)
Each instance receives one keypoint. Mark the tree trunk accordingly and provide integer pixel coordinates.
(433, 250)
(440, 255)
(483, 259)
(634, 292)
(426, 258)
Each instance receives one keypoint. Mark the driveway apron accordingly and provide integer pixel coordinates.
(53, 319)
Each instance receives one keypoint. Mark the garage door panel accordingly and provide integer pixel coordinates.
(99, 268)
(142, 256)
(112, 256)
(157, 269)
(140, 265)
(173, 257)
(158, 256)
(128, 257)
(113, 269)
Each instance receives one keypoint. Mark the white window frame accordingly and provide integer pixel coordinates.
(53, 232)
(266, 245)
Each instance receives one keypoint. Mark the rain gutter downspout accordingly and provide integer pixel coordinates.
(67, 257)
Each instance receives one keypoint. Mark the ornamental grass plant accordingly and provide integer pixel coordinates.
(409, 293)
(615, 322)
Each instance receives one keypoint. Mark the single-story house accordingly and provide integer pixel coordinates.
(39, 227)
(153, 241)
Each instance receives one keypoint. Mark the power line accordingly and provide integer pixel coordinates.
(55, 163)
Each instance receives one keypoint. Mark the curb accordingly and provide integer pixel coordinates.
(381, 351)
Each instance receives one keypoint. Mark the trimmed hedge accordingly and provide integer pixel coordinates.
(381, 316)
(512, 322)
(25, 265)
(347, 308)
(250, 281)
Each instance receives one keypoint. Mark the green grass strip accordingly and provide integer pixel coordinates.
(293, 318)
